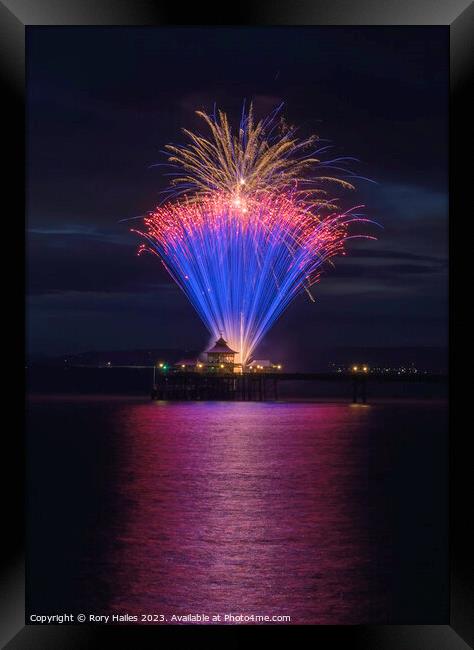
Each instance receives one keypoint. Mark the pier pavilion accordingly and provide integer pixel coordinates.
(221, 358)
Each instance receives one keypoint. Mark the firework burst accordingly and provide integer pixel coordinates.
(254, 227)
(263, 156)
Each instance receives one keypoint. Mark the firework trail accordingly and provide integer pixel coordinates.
(248, 224)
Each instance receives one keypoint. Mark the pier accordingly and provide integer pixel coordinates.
(265, 386)
(197, 386)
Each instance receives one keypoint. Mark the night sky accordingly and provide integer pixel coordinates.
(102, 103)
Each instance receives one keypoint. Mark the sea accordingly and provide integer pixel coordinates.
(293, 512)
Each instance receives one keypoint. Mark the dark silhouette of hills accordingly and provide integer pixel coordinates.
(432, 359)
(96, 358)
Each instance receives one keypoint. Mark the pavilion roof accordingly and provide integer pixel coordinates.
(221, 346)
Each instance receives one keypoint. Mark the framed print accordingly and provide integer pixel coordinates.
(239, 285)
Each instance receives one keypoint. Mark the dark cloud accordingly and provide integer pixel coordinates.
(91, 263)
(383, 254)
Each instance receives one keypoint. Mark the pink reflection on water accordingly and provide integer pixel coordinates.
(244, 508)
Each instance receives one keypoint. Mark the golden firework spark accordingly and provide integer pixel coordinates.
(263, 156)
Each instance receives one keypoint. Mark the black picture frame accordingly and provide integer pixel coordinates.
(15, 17)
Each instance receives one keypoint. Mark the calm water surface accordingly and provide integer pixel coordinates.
(328, 513)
